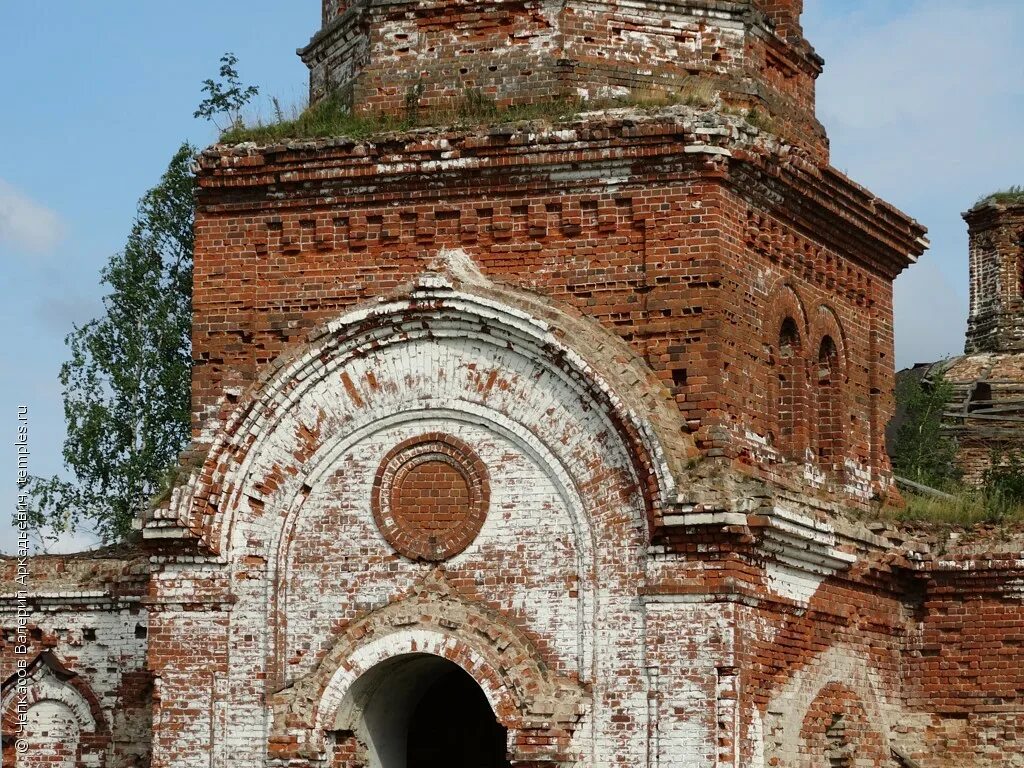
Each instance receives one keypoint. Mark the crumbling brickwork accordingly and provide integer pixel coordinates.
(986, 414)
(588, 414)
(89, 695)
(698, 258)
(403, 57)
(996, 320)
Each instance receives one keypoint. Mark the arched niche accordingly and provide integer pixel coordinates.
(836, 703)
(63, 722)
(785, 343)
(830, 386)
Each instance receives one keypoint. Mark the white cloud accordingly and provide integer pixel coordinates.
(25, 223)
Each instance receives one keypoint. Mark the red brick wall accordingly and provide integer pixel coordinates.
(679, 264)
(405, 57)
(996, 321)
(971, 643)
(776, 273)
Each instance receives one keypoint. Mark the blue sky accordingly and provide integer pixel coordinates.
(923, 101)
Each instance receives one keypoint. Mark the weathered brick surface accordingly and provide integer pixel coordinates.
(587, 411)
(996, 320)
(695, 253)
(401, 57)
(986, 415)
(89, 702)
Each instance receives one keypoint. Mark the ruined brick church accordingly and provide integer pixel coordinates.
(556, 443)
(986, 412)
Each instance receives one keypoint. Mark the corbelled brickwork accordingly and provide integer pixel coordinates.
(702, 253)
(568, 431)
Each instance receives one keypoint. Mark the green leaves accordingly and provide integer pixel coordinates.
(923, 453)
(126, 382)
(1004, 479)
(225, 98)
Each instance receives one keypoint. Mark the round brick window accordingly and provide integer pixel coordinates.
(430, 497)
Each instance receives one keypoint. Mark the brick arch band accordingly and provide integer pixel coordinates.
(532, 701)
(529, 444)
(205, 506)
(784, 301)
(837, 727)
(48, 680)
(825, 322)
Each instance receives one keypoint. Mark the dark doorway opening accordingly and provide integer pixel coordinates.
(418, 710)
(453, 726)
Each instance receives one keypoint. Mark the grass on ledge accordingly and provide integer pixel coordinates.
(327, 118)
(1009, 196)
(331, 117)
(967, 508)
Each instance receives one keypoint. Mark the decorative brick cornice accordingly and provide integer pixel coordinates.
(634, 148)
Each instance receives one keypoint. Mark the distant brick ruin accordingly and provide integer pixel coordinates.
(535, 444)
(987, 413)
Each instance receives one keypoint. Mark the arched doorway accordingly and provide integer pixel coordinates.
(453, 726)
(423, 711)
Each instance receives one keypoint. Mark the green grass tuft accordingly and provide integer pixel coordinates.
(332, 117)
(329, 117)
(1010, 196)
(967, 508)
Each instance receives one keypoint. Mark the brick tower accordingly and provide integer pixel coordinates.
(542, 443)
(996, 320)
(751, 55)
(986, 416)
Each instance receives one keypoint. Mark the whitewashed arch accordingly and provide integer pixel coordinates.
(611, 469)
(787, 708)
(44, 684)
(208, 504)
(48, 690)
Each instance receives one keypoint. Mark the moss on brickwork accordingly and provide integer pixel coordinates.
(332, 117)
